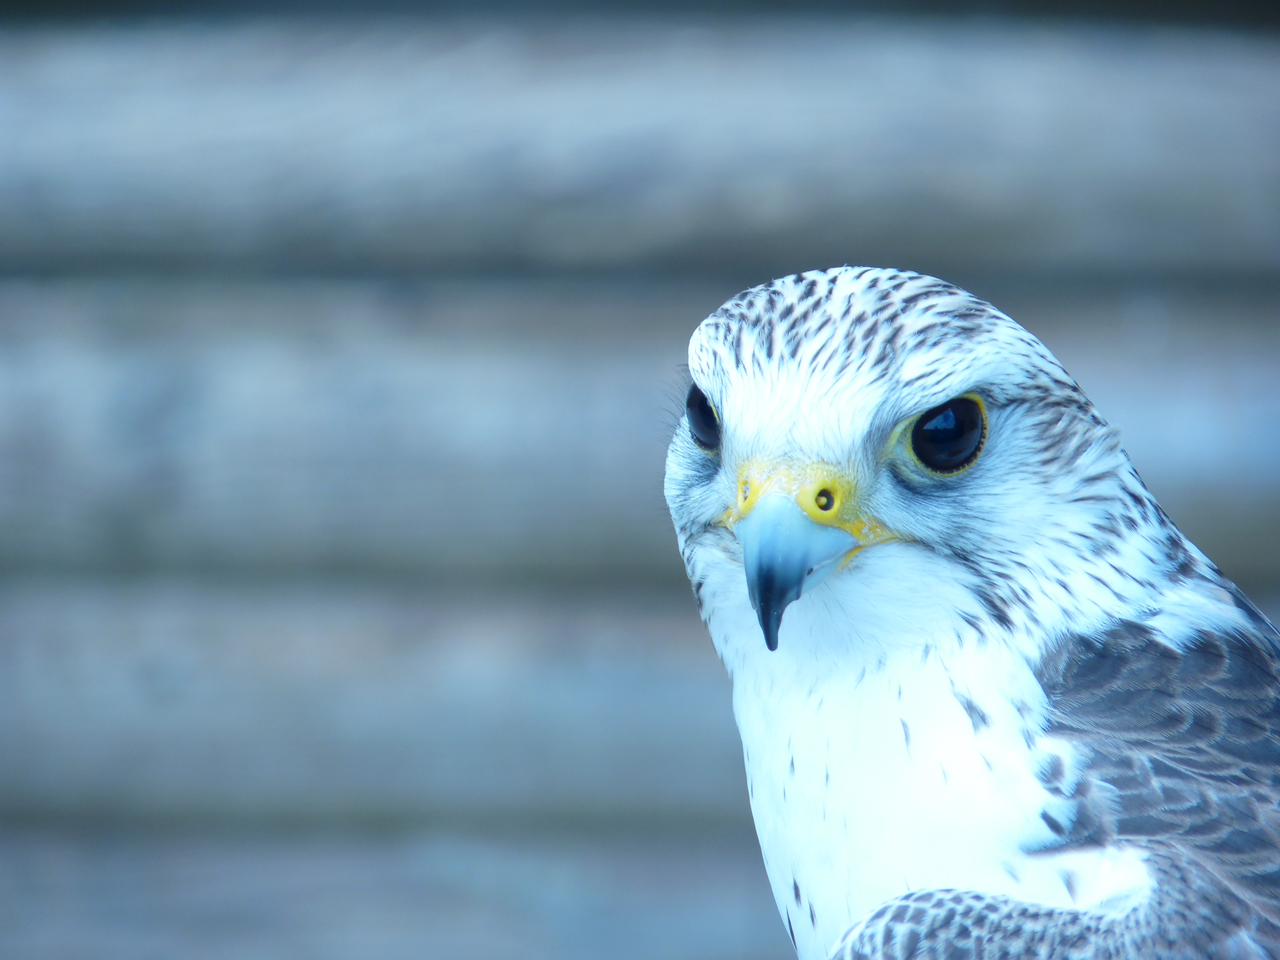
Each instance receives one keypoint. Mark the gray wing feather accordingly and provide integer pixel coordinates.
(1190, 917)
(1186, 744)
(1184, 748)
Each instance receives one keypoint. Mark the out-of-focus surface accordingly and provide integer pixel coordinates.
(340, 615)
(756, 146)
(408, 895)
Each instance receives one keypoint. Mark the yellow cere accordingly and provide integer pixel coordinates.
(826, 494)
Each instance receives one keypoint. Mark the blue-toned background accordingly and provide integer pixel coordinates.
(340, 616)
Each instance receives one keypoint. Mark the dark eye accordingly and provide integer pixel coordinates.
(702, 420)
(949, 437)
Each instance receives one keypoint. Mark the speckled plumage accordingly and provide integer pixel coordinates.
(1036, 721)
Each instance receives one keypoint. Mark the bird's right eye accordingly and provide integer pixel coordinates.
(703, 422)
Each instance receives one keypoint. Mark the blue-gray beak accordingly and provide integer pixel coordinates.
(784, 554)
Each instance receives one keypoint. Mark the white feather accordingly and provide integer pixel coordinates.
(867, 776)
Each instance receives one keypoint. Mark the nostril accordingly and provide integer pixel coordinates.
(825, 500)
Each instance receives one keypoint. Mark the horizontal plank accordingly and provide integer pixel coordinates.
(515, 429)
(442, 430)
(187, 700)
(121, 894)
(770, 144)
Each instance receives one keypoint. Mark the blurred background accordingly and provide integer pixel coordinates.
(340, 616)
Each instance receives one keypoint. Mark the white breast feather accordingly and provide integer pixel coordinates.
(850, 760)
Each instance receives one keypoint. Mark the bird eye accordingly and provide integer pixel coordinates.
(703, 423)
(949, 437)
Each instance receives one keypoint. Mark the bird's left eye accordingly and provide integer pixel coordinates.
(703, 423)
(949, 437)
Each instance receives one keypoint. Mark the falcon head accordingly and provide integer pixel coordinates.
(837, 416)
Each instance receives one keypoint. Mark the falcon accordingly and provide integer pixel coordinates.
(992, 702)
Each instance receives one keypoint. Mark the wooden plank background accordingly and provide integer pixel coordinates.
(769, 146)
(340, 614)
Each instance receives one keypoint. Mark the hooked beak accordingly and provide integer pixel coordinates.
(795, 532)
(786, 553)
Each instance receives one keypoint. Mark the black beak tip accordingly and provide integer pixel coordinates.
(770, 595)
(770, 622)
